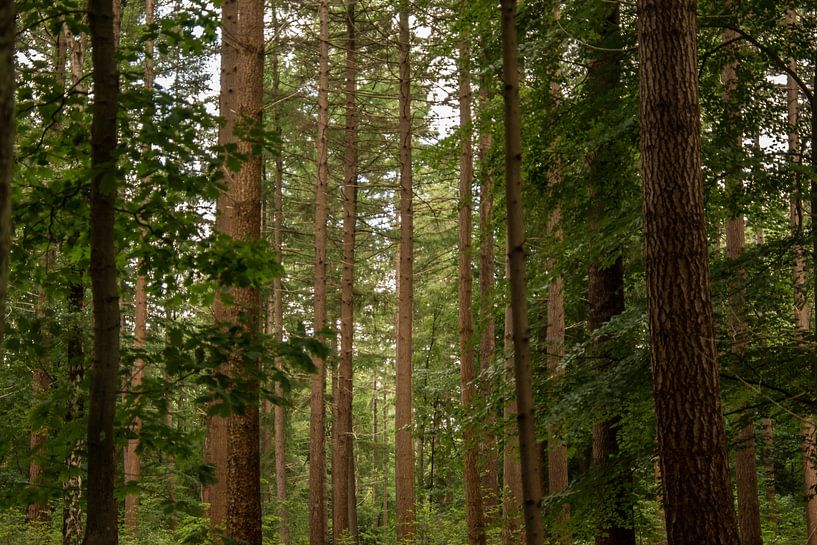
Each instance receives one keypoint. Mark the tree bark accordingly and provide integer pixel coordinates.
(490, 473)
(72, 530)
(317, 464)
(686, 387)
(133, 462)
(8, 31)
(769, 473)
(512, 533)
(528, 452)
(239, 211)
(216, 445)
(474, 516)
(343, 485)
(404, 445)
(279, 411)
(102, 509)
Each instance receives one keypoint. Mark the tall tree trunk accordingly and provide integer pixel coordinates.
(102, 509)
(404, 446)
(279, 411)
(385, 452)
(216, 445)
(317, 464)
(745, 464)
(375, 439)
(8, 31)
(233, 442)
(606, 277)
(799, 279)
(343, 485)
(686, 385)
(490, 474)
(528, 452)
(512, 531)
(474, 516)
(133, 463)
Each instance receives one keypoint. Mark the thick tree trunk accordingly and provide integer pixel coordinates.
(102, 509)
(404, 446)
(490, 473)
(528, 452)
(238, 497)
(686, 386)
(216, 444)
(317, 464)
(343, 480)
(8, 31)
(474, 516)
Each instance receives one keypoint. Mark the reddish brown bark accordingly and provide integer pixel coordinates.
(474, 516)
(404, 443)
(686, 387)
(342, 474)
(317, 464)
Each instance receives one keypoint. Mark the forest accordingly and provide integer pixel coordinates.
(408, 272)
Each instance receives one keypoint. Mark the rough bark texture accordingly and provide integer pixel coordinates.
(686, 387)
(102, 508)
(235, 502)
(809, 434)
(475, 519)
(317, 463)
(8, 31)
(490, 450)
(133, 462)
(343, 480)
(216, 445)
(404, 444)
(528, 451)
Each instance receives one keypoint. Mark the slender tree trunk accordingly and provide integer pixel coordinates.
(490, 474)
(475, 518)
(8, 31)
(528, 453)
(404, 446)
(745, 464)
(102, 509)
(686, 387)
(385, 451)
(375, 460)
(279, 411)
(317, 464)
(512, 532)
(133, 463)
(343, 485)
